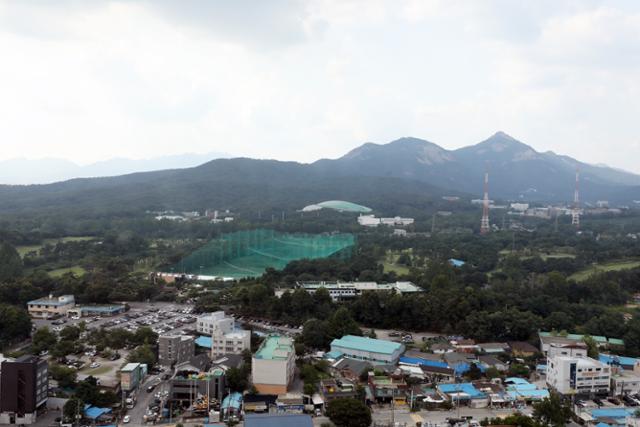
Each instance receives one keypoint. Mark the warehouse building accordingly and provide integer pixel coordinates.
(372, 350)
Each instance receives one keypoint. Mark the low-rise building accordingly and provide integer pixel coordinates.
(24, 386)
(45, 308)
(226, 336)
(369, 349)
(273, 365)
(580, 375)
(97, 310)
(175, 349)
(340, 291)
(131, 376)
(332, 389)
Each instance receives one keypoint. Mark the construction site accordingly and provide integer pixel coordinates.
(250, 253)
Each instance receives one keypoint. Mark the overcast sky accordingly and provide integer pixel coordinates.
(301, 80)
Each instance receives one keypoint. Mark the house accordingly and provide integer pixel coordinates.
(231, 407)
(49, 307)
(493, 347)
(464, 393)
(442, 347)
(489, 361)
(387, 388)
(332, 389)
(369, 349)
(522, 349)
(273, 365)
(350, 369)
(520, 389)
(466, 346)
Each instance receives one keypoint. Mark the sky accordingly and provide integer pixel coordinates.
(303, 80)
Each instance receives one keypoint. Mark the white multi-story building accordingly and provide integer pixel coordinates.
(346, 290)
(226, 337)
(372, 221)
(578, 375)
(51, 306)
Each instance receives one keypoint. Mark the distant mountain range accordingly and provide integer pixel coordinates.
(516, 170)
(48, 170)
(407, 172)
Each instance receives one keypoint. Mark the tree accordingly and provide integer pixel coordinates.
(15, 324)
(66, 377)
(341, 324)
(592, 347)
(71, 408)
(237, 379)
(10, 263)
(315, 334)
(143, 354)
(70, 333)
(552, 411)
(43, 340)
(349, 413)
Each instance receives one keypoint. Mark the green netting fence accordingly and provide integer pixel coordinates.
(250, 253)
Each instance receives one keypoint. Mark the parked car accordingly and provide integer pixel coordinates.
(94, 365)
(126, 419)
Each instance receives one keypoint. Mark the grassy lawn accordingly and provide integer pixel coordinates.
(390, 263)
(23, 250)
(76, 269)
(97, 371)
(599, 268)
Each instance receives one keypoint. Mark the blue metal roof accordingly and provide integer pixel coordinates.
(94, 412)
(423, 362)
(273, 420)
(611, 413)
(333, 355)
(612, 359)
(466, 388)
(366, 344)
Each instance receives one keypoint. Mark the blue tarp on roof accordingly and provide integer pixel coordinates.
(203, 342)
(462, 368)
(456, 262)
(94, 412)
(466, 388)
(423, 362)
(233, 400)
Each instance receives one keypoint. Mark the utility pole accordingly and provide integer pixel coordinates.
(575, 214)
(484, 223)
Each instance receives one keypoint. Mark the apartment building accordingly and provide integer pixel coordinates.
(174, 349)
(273, 365)
(24, 387)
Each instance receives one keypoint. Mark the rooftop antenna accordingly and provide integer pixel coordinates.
(484, 223)
(575, 213)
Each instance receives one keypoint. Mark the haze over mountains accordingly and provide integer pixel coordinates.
(48, 170)
(404, 171)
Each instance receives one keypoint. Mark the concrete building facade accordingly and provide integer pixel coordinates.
(175, 349)
(273, 365)
(578, 375)
(45, 308)
(24, 387)
(226, 337)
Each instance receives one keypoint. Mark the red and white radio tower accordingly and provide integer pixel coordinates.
(575, 213)
(484, 223)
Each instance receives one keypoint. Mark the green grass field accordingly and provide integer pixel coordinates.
(76, 269)
(97, 371)
(609, 266)
(23, 250)
(390, 264)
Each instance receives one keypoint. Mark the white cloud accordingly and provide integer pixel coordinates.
(299, 80)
